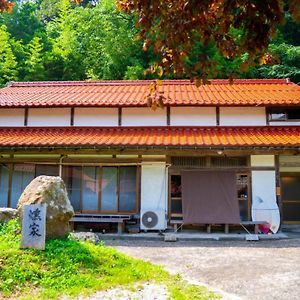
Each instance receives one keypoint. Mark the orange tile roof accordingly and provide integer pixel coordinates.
(244, 92)
(272, 136)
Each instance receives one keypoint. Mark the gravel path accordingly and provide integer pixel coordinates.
(147, 291)
(237, 269)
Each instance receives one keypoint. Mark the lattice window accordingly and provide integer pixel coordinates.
(185, 161)
(229, 162)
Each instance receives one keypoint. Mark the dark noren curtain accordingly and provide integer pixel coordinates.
(209, 197)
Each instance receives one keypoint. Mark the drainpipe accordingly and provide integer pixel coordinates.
(167, 192)
(60, 165)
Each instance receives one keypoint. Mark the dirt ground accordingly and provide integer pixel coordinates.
(236, 269)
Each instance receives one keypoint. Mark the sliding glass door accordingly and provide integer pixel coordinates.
(127, 189)
(109, 189)
(90, 188)
(22, 175)
(102, 189)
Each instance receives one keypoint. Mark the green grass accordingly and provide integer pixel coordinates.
(69, 267)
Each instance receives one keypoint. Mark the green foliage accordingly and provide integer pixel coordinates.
(35, 69)
(287, 63)
(23, 23)
(71, 268)
(8, 63)
(59, 40)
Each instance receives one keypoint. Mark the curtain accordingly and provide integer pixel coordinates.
(209, 197)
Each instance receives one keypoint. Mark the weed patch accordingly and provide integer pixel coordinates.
(71, 267)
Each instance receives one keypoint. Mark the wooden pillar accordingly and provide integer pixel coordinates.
(278, 188)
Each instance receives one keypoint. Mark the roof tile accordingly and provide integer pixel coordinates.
(273, 136)
(244, 92)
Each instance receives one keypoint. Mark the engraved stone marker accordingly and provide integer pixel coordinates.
(34, 226)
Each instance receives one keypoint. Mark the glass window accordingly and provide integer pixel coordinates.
(90, 188)
(243, 210)
(118, 188)
(284, 114)
(4, 179)
(176, 202)
(293, 114)
(127, 195)
(49, 170)
(109, 183)
(72, 179)
(242, 181)
(278, 116)
(22, 176)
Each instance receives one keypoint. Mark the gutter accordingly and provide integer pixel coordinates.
(60, 165)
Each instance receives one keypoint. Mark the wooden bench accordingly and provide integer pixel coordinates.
(101, 218)
(246, 223)
(256, 224)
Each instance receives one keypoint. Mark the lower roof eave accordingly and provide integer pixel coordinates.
(147, 147)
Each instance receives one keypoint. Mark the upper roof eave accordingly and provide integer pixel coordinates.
(243, 92)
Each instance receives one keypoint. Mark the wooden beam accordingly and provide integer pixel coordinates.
(26, 117)
(120, 116)
(168, 115)
(218, 116)
(72, 116)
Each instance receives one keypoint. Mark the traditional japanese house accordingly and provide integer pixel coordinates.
(216, 154)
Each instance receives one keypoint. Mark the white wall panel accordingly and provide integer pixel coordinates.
(264, 205)
(193, 116)
(242, 116)
(49, 116)
(289, 163)
(284, 123)
(153, 187)
(143, 116)
(95, 116)
(12, 117)
(262, 160)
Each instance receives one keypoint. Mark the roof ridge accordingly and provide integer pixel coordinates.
(143, 82)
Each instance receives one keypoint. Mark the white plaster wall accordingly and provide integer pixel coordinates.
(264, 206)
(264, 188)
(144, 116)
(153, 189)
(262, 160)
(284, 123)
(12, 117)
(289, 163)
(289, 169)
(242, 116)
(49, 117)
(193, 116)
(126, 156)
(95, 116)
(154, 157)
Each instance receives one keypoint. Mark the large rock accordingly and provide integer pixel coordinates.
(7, 214)
(52, 191)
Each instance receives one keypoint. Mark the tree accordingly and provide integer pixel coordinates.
(287, 66)
(34, 65)
(8, 63)
(22, 22)
(171, 29)
(96, 42)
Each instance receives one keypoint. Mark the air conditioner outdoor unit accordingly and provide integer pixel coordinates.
(153, 220)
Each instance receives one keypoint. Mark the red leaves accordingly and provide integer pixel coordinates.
(6, 5)
(172, 27)
(294, 8)
(155, 98)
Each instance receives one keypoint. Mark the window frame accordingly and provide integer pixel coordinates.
(283, 110)
(100, 176)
